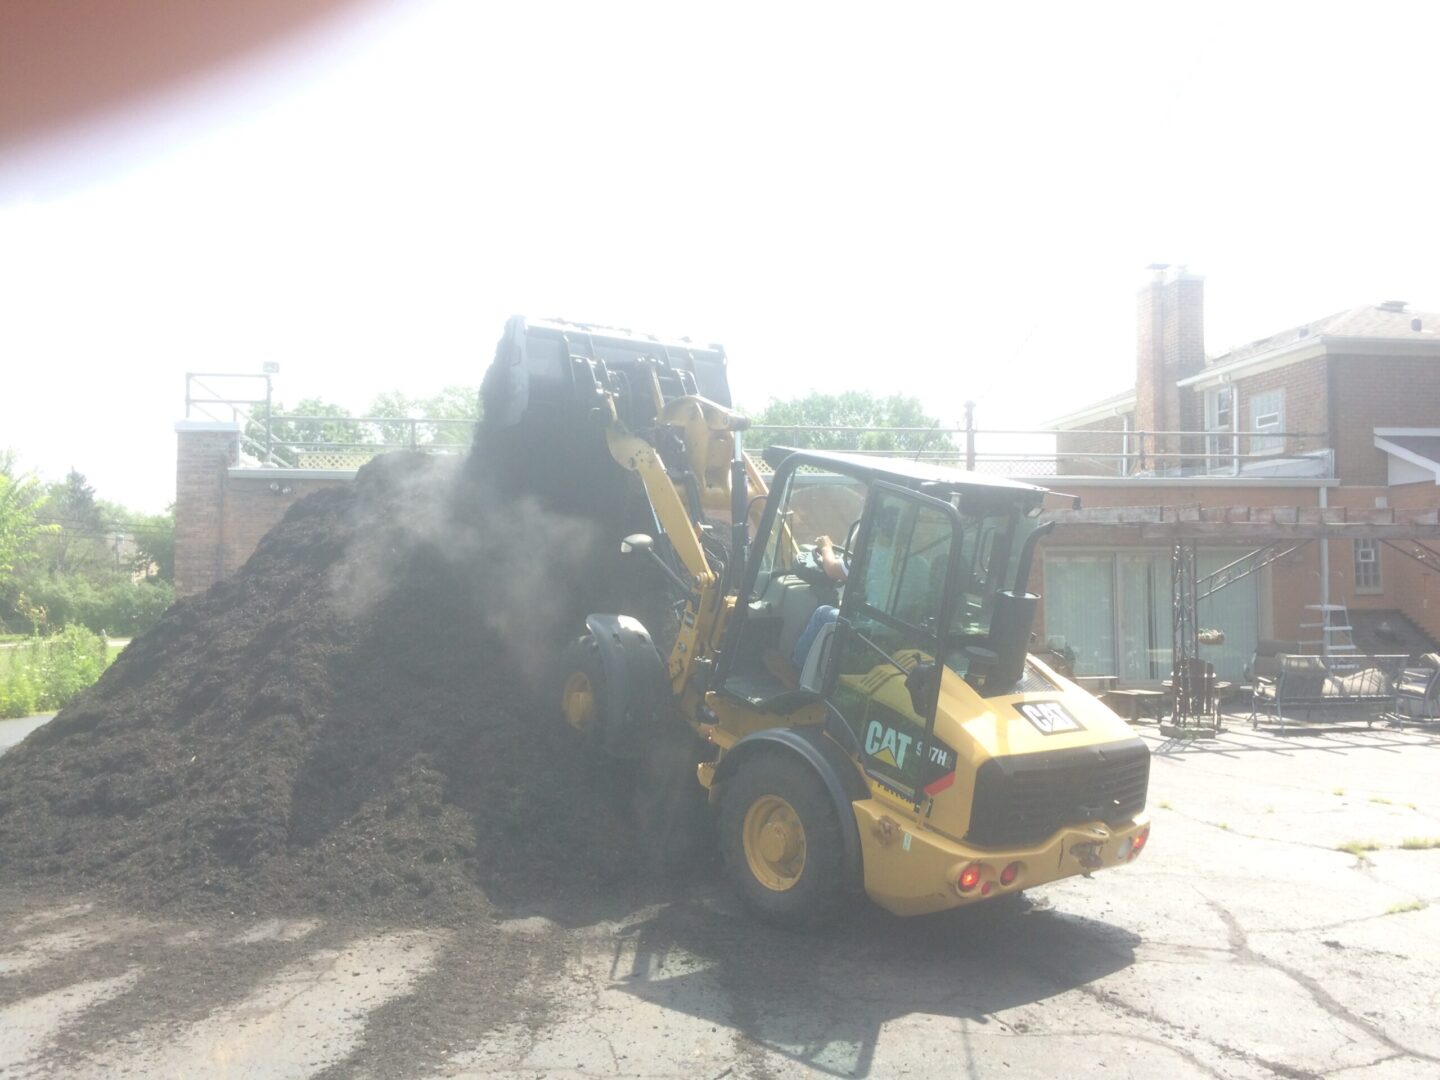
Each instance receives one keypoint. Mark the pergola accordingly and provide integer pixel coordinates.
(1275, 532)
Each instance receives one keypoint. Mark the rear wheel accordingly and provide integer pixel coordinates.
(781, 841)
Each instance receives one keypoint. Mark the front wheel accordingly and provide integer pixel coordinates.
(781, 841)
(582, 687)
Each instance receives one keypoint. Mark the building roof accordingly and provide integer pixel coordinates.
(1419, 447)
(1113, 405)
(1388, 321)
(1391, 320)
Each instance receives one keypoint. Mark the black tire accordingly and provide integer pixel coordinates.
(818, 884)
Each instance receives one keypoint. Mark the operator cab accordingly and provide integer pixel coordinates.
(937, 565)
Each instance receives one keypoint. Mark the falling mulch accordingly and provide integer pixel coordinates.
(349, 724)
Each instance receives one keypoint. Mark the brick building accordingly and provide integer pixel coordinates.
(1342, 413)
(1337, 415)
(224, 504)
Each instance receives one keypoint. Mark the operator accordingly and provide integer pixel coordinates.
(838, 571)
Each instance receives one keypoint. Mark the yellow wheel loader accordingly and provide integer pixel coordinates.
(886, 733)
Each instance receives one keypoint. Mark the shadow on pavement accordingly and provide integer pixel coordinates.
(1299, 737)
(822, 999)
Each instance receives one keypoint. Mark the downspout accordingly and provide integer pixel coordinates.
(1324, 578)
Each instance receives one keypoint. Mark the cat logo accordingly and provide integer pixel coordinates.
(1049, 717)
(887, 745)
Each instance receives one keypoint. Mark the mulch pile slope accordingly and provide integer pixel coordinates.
(349, 723)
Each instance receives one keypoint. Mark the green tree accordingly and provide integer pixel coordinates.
(79, 525)
(21, 503)
(155, 544)
(459, 405)
(795, 422)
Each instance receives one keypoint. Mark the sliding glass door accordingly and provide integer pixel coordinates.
(1113, 610)
(1080, 610)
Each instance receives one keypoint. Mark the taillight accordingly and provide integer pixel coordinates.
(969, 877)
(1010, 873)
(1139, 844)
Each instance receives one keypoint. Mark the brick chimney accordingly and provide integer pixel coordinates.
(1170, 344)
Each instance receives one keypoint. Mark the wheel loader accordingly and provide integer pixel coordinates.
(887, 734)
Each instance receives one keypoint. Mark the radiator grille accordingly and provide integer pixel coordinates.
(1024, 799)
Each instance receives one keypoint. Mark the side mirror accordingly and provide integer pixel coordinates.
(636, 542)
(923, 682)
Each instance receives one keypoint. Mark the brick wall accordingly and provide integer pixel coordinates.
(1170, 345)
(1367, 392)
(1415, 587)
(221, 516)
(1307, 400)
(1076, 447)
(204, 452)
(252, 509)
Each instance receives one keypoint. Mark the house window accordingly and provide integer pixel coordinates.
(1220, 449)
(1267, 414)
(1367, 566)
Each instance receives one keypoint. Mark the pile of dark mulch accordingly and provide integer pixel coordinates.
(349, 723)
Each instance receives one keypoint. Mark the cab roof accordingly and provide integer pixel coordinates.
(902, 471)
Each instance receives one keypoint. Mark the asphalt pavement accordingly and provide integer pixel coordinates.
(1283, 921)
(12, 731)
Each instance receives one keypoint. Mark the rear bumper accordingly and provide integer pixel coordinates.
(913, 871)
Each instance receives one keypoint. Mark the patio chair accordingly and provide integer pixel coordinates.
(1417, 691)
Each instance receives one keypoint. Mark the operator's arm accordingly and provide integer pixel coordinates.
(830, 562)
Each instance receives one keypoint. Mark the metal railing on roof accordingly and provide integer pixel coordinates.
(346, 442)
(310, 441)
(1049, 452)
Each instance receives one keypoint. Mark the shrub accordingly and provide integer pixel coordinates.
(19, 696)
(116, 606)
(46, 673)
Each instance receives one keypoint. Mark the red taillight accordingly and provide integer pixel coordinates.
(1139, 845)
(1010, 873)
(969, 877)
(985, 889)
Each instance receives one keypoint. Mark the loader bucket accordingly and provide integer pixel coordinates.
(557, 373)
(546, 401)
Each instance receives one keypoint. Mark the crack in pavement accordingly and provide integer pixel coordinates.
(1240, 946)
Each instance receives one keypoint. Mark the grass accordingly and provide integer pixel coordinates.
(1380, 799)
(1408, 905)
(1338, 791)
(1358, 848)
(1165, 805)
(19, 655)
(1225, 825)
(1420, 843)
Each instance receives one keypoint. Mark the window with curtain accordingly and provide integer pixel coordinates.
(1079, 610)
(1113, 610)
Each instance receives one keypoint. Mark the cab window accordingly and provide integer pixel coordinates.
(890, 623)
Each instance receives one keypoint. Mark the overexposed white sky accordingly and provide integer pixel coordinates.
(942, 200)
